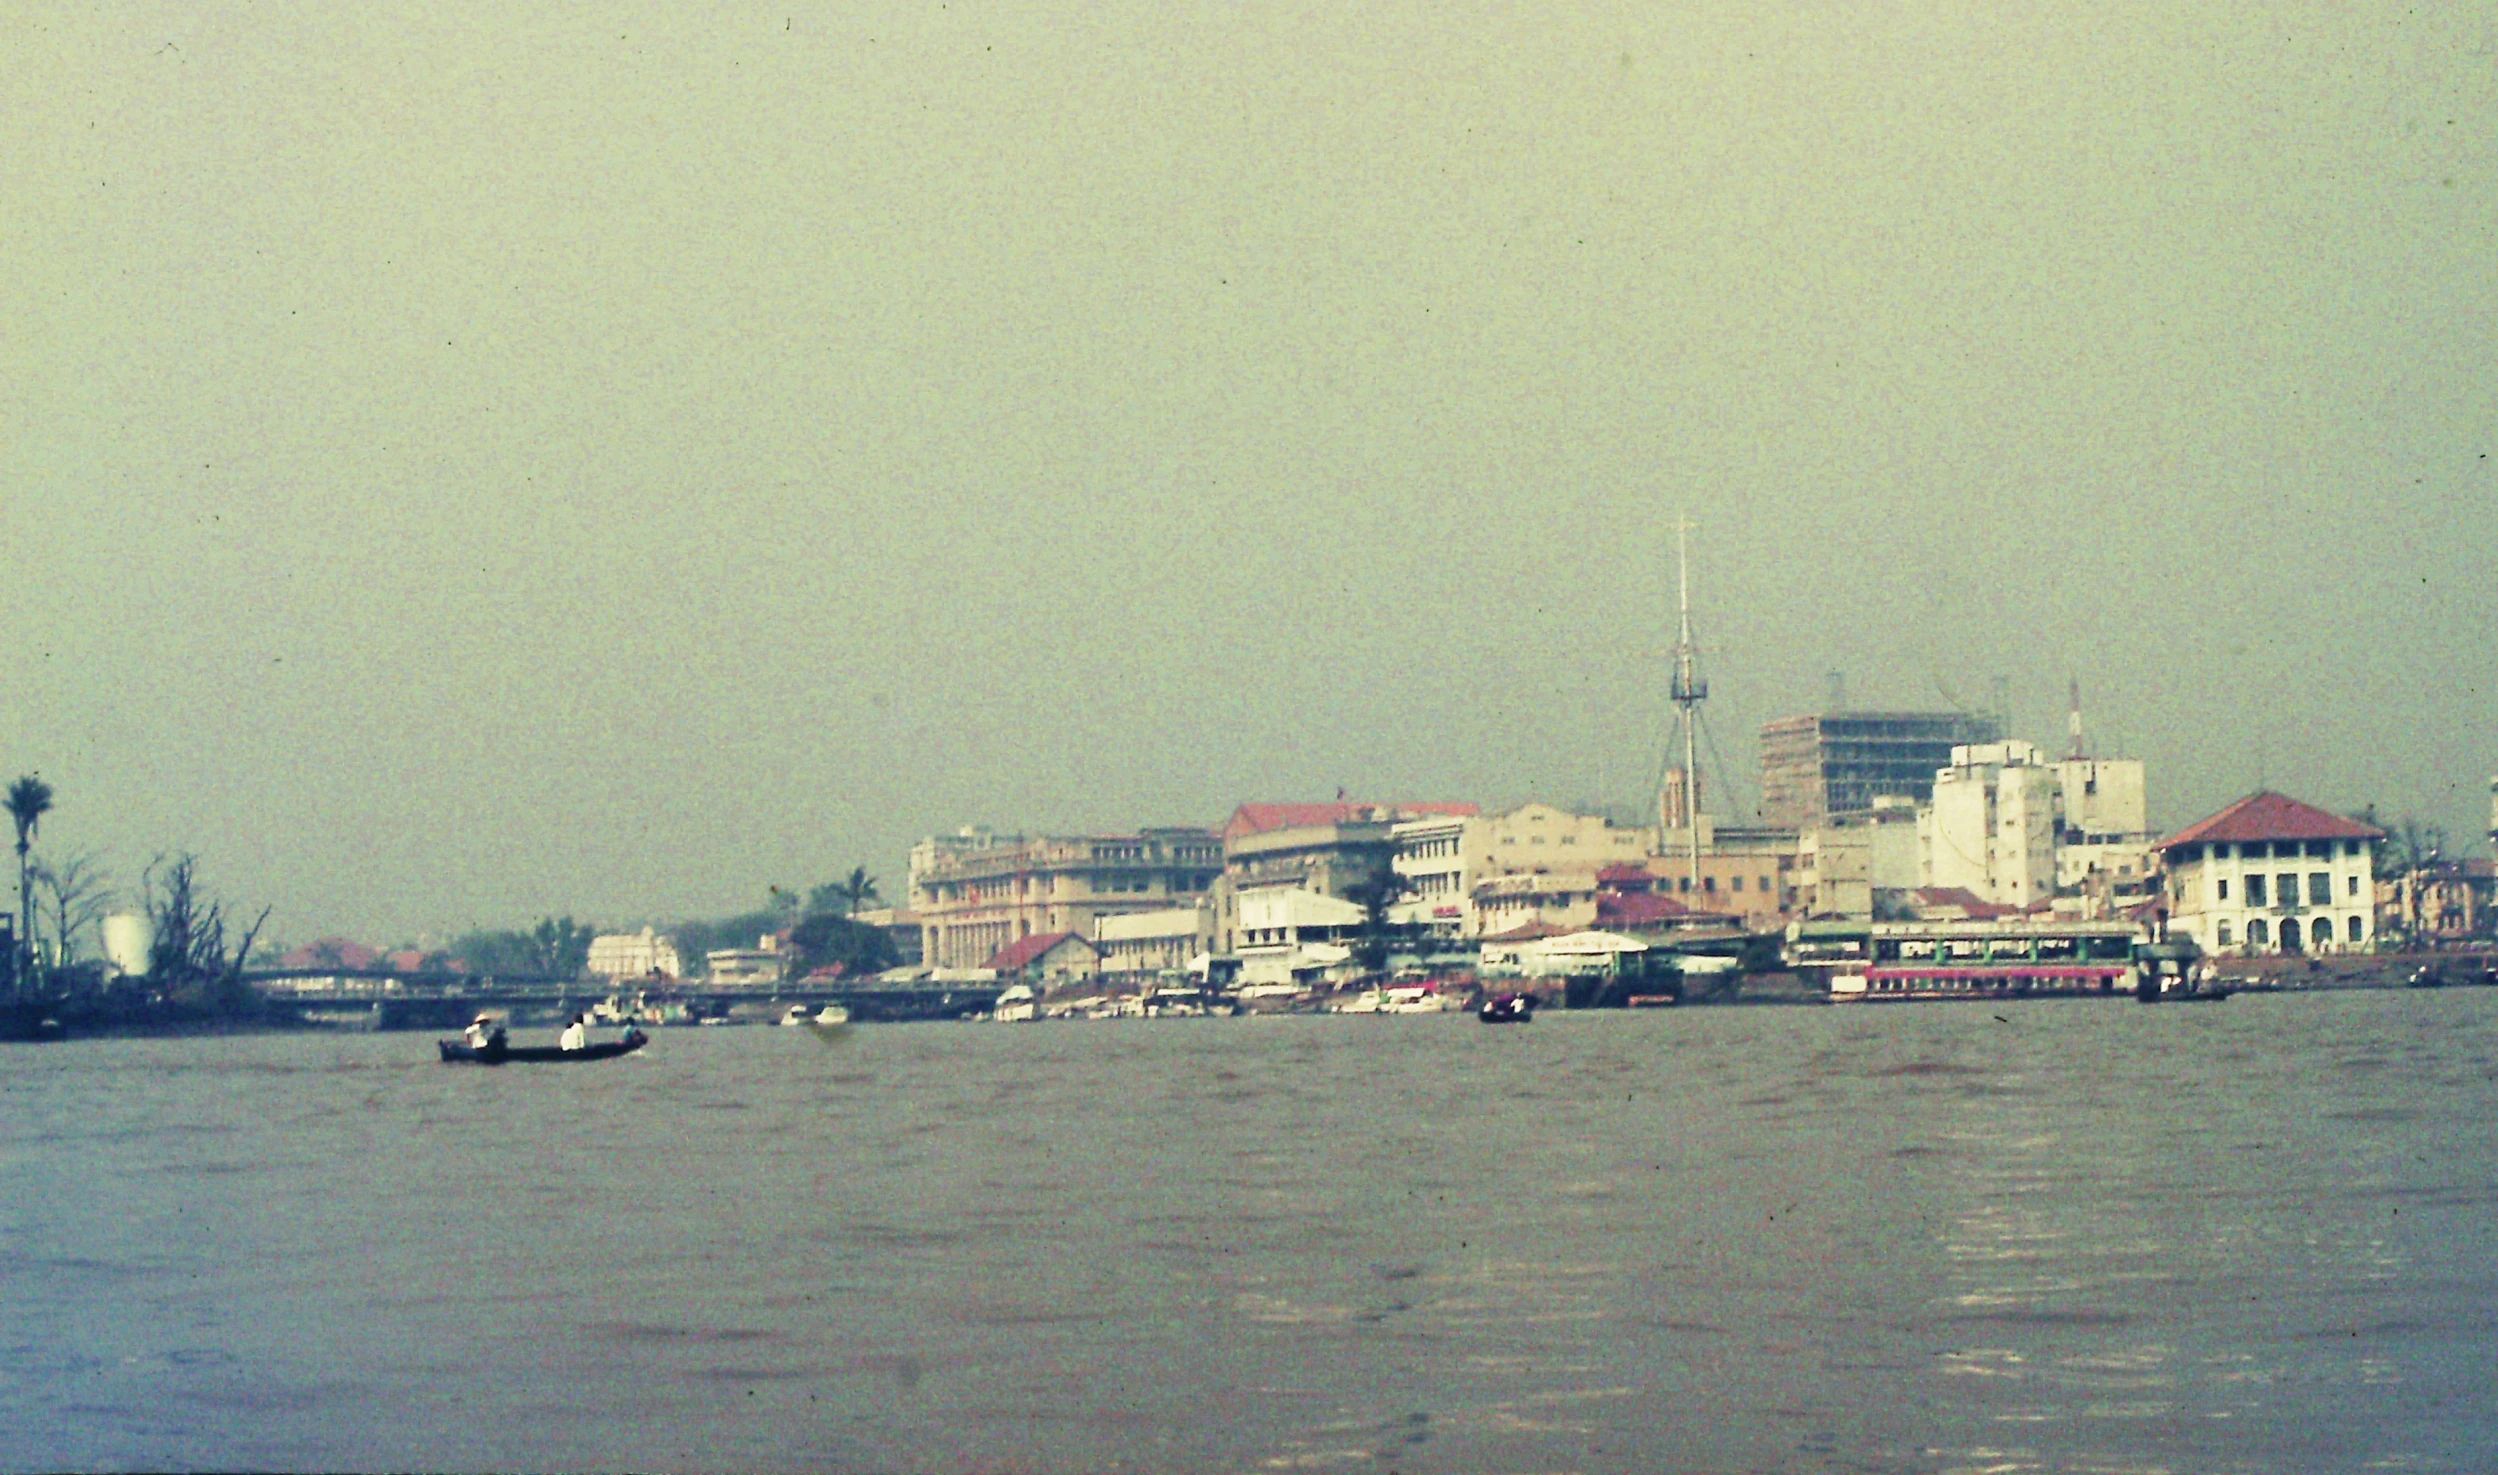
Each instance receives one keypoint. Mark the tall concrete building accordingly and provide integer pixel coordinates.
(1836, 764)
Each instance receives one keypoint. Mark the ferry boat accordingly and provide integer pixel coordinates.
(1878, 962)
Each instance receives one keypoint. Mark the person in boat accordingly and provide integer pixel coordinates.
(576, 1035)
(480, 1033)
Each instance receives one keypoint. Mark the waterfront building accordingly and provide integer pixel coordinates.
(1817, 768)
(1291, 935)
(1853, 867)
(2269, 874)
(745, 967)
(1136, 946)
(976, 892)
(1744, 871)
(1046, 960)
(2439, 901)
(1442, 859)
(643, 954)
(1340, 850)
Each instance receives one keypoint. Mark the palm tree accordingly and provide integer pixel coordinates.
(29, 799)
(858, 889)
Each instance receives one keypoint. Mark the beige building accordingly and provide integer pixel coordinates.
(1990, 827)
(1444, 860)
(1141, 945)
(1844, 869)
(2272, 875)
(977, 893)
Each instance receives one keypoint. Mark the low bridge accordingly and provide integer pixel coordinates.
(373, 999)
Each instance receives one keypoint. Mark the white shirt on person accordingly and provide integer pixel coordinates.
(574, 1037)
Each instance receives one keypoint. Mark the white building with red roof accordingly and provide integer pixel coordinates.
(2272, 875)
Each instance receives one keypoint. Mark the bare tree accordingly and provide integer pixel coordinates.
(76, 896)
(189, 954)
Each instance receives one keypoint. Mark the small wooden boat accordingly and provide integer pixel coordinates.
(495, 1052)
(1507, 1009)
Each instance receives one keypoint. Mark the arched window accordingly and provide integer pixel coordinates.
(2320, 933)
(2258, 933)
(2357, 934)
(2221, 937)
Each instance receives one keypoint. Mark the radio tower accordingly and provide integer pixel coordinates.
(1688, 692)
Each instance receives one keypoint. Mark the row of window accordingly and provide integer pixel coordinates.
(1733, 883)
(2319, 933)
(2269, 850)
(2319, 888)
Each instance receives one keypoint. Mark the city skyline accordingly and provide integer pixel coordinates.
(465, 468)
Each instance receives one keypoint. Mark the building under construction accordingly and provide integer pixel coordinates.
(1834, 765)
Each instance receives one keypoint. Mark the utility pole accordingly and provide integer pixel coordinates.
(1688, 692)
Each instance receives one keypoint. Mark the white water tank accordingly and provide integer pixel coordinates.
(128, 939)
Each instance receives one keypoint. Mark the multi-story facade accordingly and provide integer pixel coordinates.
(2272, 875)
(1838, 763)
(1848, 868)
(1444, 860)
(1337, 850)
(1991, 826)
(977, 893)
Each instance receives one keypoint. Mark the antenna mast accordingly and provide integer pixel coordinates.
(1688, 692)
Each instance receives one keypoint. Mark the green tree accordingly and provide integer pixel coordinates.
(848, 896)
(29, 800)
(829, 940)
(560, 948)
(1377, 894)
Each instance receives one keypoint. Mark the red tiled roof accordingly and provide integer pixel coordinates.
(2265, 815)
(1022, 953)
(1619, 872)
(1529, 932)
(330, 952)
(1257, 819)
(1637, 907)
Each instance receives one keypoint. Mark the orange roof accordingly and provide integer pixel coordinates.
(1529, 932)
(1257, 819)
(2265, 815)
(1024, 952)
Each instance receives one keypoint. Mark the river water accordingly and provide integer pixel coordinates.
(2050, 1236)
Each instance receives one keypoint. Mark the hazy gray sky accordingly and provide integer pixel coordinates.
(463, 463)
